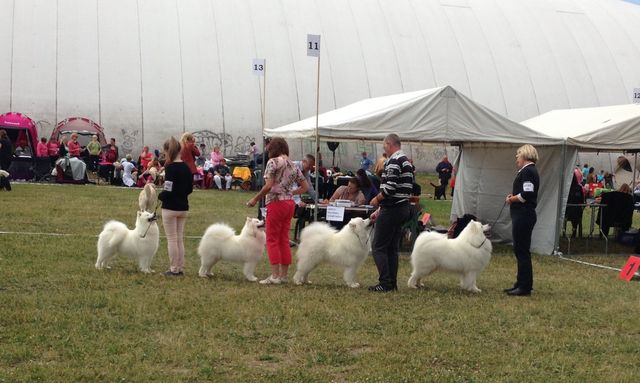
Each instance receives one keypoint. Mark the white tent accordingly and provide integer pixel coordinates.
(487, 141)
(604, 129)
(607, 128)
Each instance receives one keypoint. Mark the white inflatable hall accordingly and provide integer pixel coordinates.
(146, 69)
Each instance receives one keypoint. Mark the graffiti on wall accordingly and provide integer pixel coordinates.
(129, 139)
(225, 141)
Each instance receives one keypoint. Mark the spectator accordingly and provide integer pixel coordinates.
(52, 146)
(216, 156)
(365, 162)
(112, 146)
(94, 149)
(74, 146)
(62, 148)
(6, 150)
(608, 180)
(188, 151)
(129, 175)
(202, 158)
(600, 177)
(178, 185)
(444, 170)
(591, 176)
(585, 172)
(379, 166)
(282, 181)
(41, 149)
(369, 190)
(252, 152)
(146, 156)
(222, 171)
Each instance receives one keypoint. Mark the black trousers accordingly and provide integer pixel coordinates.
(522, 222)
(386, 243)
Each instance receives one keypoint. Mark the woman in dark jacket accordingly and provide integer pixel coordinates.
(175, 204)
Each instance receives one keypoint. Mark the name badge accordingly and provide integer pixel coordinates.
(168, 185)
(527, 186)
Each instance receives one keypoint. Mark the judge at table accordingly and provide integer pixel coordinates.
(350, 191)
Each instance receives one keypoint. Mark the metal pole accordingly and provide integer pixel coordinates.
(315, 211)
(264, 111)
(559, 215)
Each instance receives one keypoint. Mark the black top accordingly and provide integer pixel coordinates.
(6, 151)
(444, 170)
(223, 170)
(178, 184)
(527, 184)
(397, 180)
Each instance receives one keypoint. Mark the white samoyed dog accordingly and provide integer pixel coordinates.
(466, 255)
(221, 242)
(140, 243)
(320, 242)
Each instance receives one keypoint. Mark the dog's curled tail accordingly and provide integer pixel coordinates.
(115, 231)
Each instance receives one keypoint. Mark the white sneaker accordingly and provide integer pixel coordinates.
(270, 280)
(284, 280)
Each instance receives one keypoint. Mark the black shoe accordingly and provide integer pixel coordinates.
(519, 291)
(382, 289)
(510, 289)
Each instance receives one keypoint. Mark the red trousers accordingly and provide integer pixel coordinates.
(279, 214)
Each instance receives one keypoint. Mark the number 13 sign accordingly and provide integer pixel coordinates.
(313, 45)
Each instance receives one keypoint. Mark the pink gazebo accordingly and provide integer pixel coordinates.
(18, 127)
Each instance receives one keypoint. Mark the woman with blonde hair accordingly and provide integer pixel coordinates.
(189, 151)
(523, 201)
(175, 204)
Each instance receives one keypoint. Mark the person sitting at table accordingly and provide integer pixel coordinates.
(221, 171)
(350, 192)
(22, 149)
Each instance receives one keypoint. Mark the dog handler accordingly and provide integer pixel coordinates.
(178, 184)
(522, 202)
(282, 180)
(393, 211)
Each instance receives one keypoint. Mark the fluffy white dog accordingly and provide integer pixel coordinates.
(348, 248)
(221, 242)
(466, 255)
(140, 243)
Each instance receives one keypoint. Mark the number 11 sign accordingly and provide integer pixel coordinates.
(313, 45)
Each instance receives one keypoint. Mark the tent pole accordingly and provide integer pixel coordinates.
(315, 211)
(635, 170)
(559, 215)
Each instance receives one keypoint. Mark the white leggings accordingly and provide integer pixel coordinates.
(173, 222)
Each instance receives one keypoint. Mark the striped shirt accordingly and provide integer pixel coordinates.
(397, 180)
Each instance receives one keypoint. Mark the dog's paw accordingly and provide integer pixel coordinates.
(253, 278)
(204, 275)
(354, 285)
(298, 282)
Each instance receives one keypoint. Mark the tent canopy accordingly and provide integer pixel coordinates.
(432, 115)
(84, 127)
(607, 128)
(23, 127)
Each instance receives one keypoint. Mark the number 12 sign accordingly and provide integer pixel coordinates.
(313, 45)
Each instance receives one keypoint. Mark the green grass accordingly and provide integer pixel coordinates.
(63, 321)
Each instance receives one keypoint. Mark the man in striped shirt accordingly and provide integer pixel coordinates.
(393, 211)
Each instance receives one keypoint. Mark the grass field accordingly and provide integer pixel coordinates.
(63, 321)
